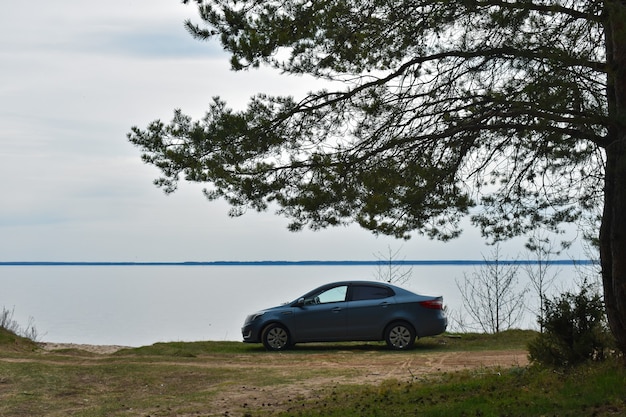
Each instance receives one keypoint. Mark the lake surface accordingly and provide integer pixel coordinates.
(136, 305)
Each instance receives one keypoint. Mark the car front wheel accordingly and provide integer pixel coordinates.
(275, 337)
(400, 336)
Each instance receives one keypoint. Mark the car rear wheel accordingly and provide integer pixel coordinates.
(400, 336)
(275, 337)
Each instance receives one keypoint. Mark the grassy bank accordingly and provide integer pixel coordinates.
(591, 390)
(236, 379)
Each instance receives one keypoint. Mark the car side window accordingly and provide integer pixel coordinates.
(369, 292)
(332, 295)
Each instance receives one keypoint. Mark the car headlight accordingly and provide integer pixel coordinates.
(254, 316)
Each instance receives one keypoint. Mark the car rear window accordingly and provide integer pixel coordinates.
(370, 292)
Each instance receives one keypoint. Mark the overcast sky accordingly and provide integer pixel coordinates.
(75, 76)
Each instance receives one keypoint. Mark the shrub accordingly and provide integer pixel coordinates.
(574, 330)
(8, 323)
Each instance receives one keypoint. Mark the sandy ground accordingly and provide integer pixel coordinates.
(103, 350)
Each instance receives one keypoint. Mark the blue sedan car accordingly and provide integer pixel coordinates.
(348, 311)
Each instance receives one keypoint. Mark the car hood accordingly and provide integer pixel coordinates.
(276, 308)
(270, 310)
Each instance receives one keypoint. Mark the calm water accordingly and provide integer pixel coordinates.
(141, 305)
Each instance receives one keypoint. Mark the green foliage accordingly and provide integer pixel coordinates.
(427, 109)
(574, 330)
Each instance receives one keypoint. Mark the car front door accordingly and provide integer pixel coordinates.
(322, 316)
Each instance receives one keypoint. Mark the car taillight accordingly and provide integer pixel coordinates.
(436, 304)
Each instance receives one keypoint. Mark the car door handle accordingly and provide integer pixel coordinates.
(336, 309)
(384, 304)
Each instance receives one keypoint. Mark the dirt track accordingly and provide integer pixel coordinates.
(348, 367)
(377, 367)
(374, 369)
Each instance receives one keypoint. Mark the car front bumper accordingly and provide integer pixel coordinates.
(250, 334)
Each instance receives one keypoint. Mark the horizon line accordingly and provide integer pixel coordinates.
(450, 262)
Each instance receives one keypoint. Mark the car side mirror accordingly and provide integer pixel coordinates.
(300, 302)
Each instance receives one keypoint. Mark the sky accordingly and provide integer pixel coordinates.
(75, 77)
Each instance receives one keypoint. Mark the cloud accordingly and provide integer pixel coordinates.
(154, 44)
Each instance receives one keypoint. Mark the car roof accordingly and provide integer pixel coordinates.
(362, 282)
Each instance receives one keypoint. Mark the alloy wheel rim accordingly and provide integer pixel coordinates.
(399, 336)
(277, 338)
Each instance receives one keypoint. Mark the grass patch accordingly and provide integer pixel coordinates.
(507, 340)
(7, 323)
(191, 349)
(590, 390)
(105, 388)
(11, 342)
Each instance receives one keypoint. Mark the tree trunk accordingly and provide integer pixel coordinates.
(613, 229)
(613, 242)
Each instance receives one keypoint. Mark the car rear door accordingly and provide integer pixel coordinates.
(369, 310)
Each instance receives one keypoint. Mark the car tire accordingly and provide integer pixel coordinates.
(400, 336)
(275, 337)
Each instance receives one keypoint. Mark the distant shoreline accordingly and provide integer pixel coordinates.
(307, 263)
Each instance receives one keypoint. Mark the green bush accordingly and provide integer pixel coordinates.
(574, 330)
